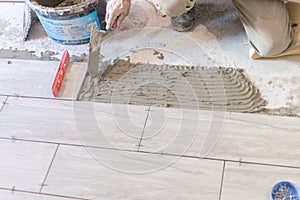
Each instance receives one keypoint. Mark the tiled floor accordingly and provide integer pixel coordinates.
(57, 149)
(24, 165)
(114, 175)
(61, 149)
(68, 122)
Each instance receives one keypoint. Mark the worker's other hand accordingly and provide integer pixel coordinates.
(116, 12)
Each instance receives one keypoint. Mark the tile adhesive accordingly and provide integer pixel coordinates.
(191, 87)
(68, 21)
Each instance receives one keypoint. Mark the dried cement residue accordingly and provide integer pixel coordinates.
(66, 3)
(58, 3)
(47, 3)
(174, 86)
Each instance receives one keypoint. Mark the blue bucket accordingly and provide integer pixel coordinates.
(69, 24)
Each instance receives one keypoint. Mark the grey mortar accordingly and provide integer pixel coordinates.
(192, 87)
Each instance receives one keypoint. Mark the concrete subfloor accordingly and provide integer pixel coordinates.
(217, 40)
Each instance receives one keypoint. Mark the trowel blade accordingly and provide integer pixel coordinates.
(94, 52)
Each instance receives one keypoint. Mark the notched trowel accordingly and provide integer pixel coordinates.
(94, 60)
(94, 52)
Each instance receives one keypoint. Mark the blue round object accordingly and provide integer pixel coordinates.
(285, 190)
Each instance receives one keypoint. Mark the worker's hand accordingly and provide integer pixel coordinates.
(116, 12)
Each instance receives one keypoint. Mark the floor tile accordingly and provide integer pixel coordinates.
(27, 78)
(259, 138)
(24, 165)
(247, 181)
(101, 125)
(182, 131)
(110, 174)
(226, 136)
(35, 78)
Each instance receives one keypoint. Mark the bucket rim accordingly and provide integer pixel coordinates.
(35, 5)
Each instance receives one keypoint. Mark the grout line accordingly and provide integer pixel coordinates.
(143, 132)
(45, 179)
(152, 153)
(44, 98)
(222, 180)
(255, 163)
(4, 103)
(11, 1)
(42, 194)
(14, 138)
(226, 160)
(56, 195)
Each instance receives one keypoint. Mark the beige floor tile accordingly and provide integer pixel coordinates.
(24, 165)
(182, 131)
(35, 78)
(260, 138)
(101, 125)
(254, 182)
(110, 174)
(27, 78)
(8, 195)
(228, 136)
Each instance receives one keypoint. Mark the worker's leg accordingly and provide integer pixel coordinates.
(182, 12)
(267, 25)
(184, 22)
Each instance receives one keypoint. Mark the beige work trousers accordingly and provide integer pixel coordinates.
(267, 25)
(266, 22)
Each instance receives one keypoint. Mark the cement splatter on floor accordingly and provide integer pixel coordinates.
(193, 87)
